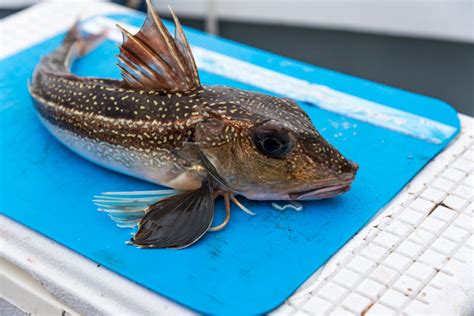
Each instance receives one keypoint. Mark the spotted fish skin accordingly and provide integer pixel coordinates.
(160, 124)
(151, 127)
(141, 132)
(135, 132)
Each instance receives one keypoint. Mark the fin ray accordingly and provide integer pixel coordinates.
(153, 60)
(126, 209)
(184, 47)
(177, 221)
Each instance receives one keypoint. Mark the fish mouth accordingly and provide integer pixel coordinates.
(322, 192)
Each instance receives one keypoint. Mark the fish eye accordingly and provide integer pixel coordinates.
(272, 141)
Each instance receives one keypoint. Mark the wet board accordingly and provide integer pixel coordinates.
(257, 262)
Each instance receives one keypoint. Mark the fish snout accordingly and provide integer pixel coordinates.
(355, 166)
(348, 175)
(341, 184)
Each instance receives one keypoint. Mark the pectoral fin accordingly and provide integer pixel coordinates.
(127, 209)
(177, 221)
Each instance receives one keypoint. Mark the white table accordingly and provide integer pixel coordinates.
(416, 255)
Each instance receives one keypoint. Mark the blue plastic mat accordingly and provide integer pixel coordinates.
(254, 264)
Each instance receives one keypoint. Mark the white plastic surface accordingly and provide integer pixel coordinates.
(415, 257)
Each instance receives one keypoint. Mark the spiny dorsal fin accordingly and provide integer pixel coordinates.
(153, 60)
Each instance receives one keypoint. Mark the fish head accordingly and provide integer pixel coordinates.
(270, 150)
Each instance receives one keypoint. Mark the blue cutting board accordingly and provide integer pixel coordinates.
(254, 264)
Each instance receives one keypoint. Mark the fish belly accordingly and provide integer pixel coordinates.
(156, 167)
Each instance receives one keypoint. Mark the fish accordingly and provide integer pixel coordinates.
(159, 123)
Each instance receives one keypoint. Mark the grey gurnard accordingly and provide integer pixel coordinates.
(160, 124)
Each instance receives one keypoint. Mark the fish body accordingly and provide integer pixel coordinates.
(160, 124)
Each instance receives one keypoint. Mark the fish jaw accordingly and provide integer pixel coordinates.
(316, 193)
(338, 187)
(318, 190)
(321, 193)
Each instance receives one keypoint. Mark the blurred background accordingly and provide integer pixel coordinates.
(424, 46)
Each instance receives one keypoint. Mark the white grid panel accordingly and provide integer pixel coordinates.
(415, 257)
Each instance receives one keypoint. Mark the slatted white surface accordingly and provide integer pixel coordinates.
(415, 257)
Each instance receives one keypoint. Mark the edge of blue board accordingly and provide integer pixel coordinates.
(396, 98)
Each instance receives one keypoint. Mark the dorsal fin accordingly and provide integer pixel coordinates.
(153, 60)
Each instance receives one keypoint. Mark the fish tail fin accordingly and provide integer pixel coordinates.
(74, 45)
(83, 44)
